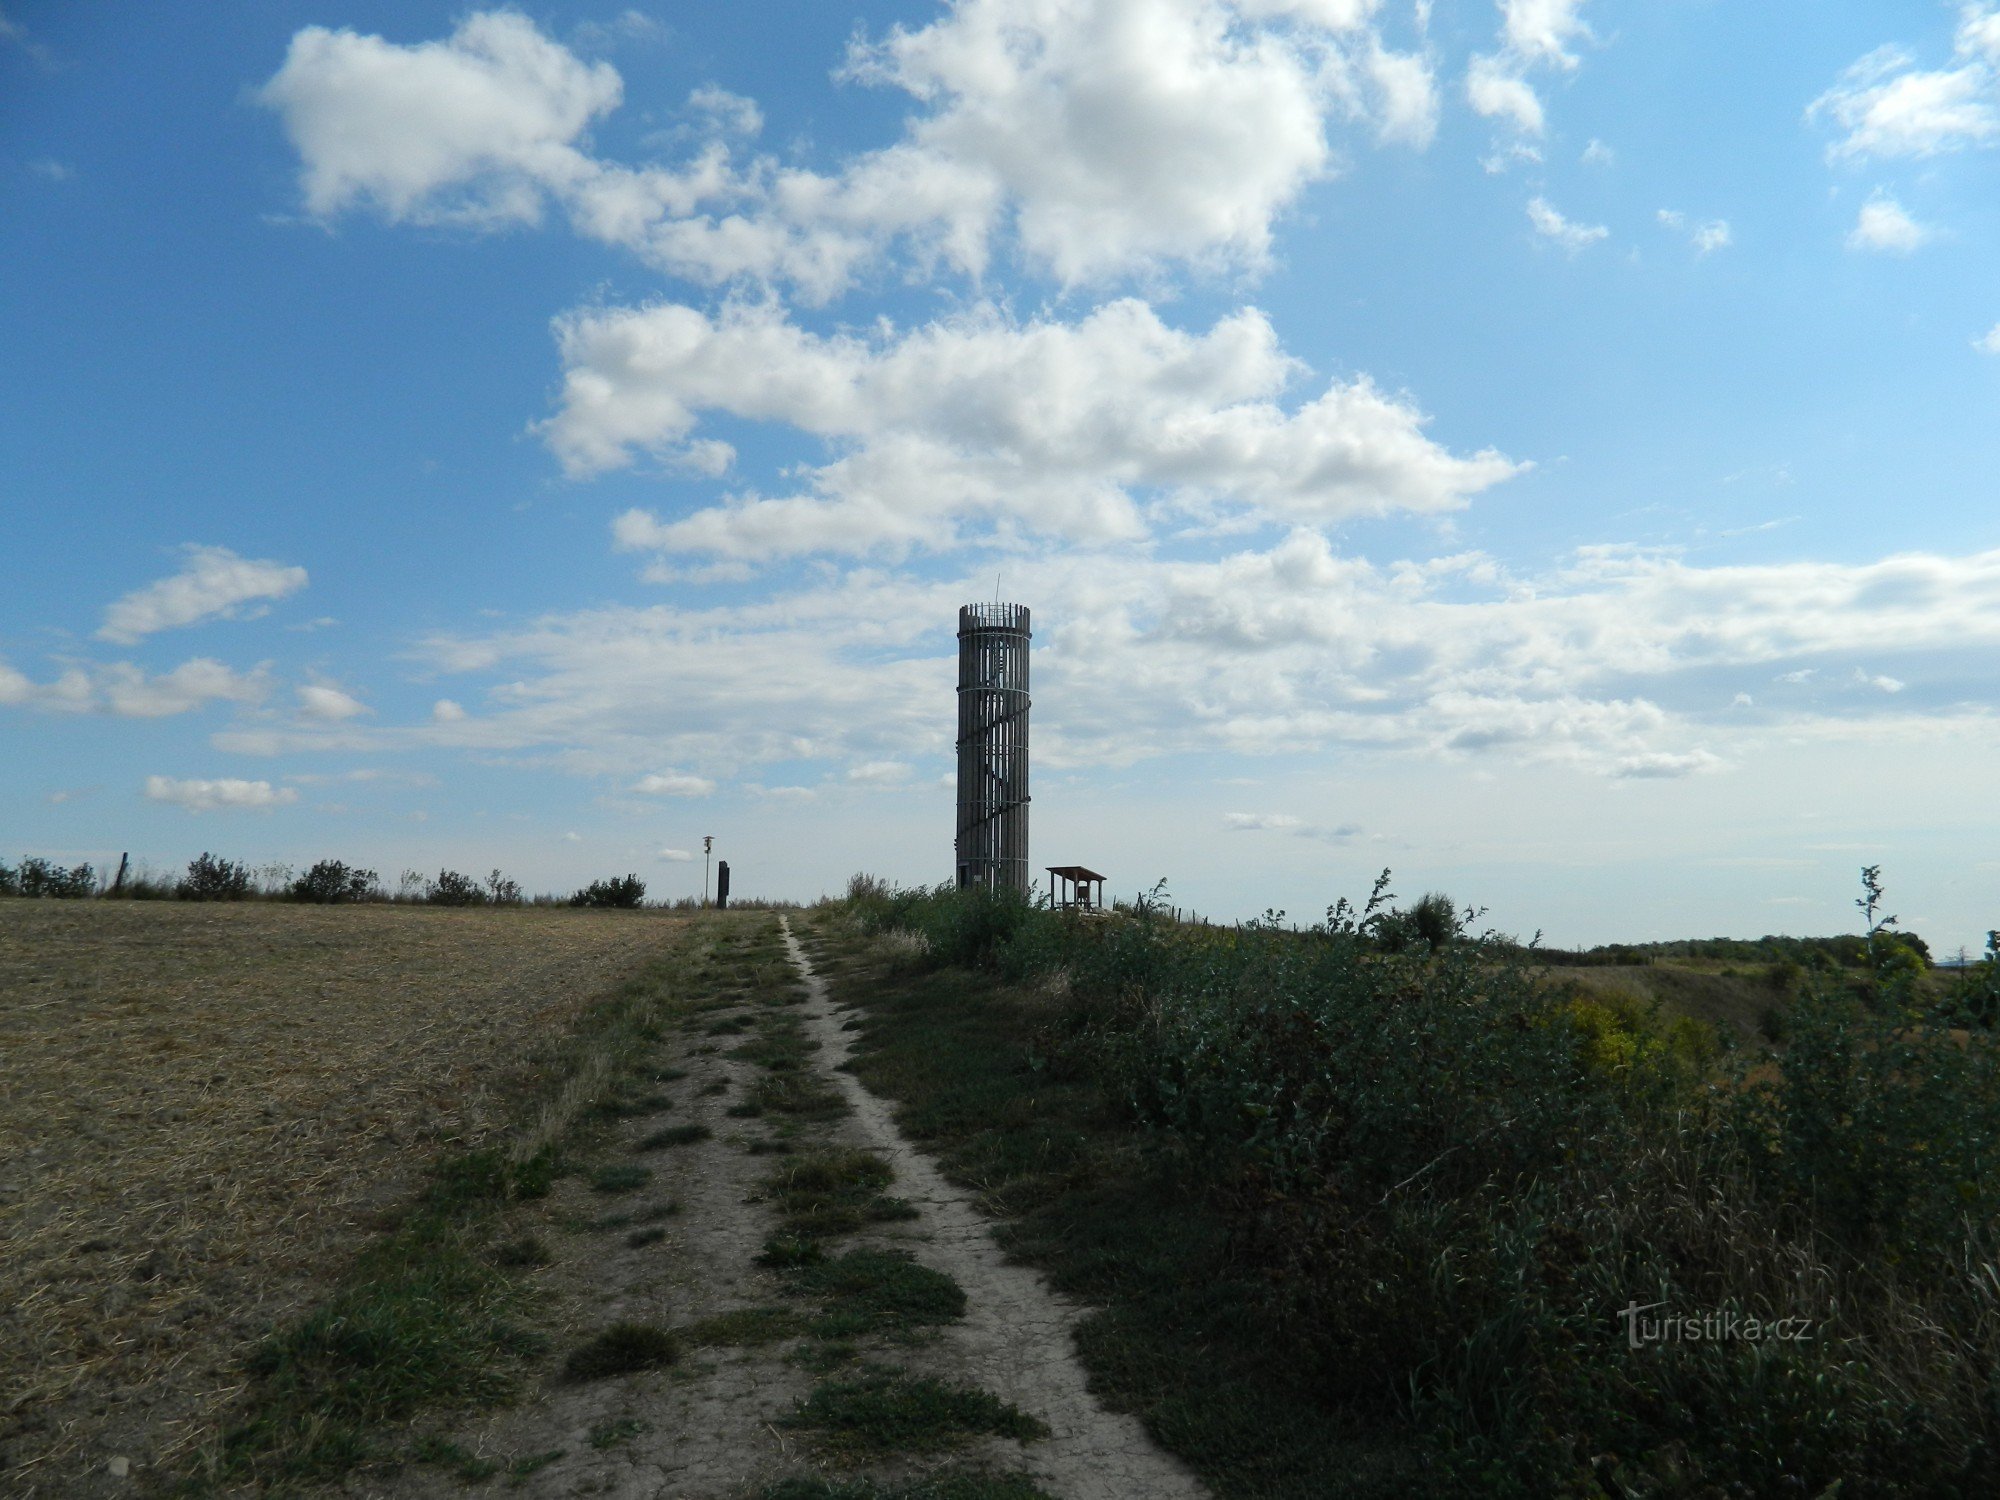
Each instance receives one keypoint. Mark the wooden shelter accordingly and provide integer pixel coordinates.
(1073, 888)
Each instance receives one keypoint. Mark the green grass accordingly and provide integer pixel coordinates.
(834, 1191)
(622, 1349)
(878, 1291)
(1117, 1225)
(745, 1326)
(425, 1315)
(883, 1411)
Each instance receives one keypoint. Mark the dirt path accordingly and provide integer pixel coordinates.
(1017, 1335)
(751, 1100)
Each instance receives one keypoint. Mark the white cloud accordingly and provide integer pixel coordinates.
(879, 772)
(126, 690)
(1990, 343)
(675, 856)
(474, 129)
(215, 583)
(673, 784)
(48, 168)
(1597, 154)
(319, 701)
(1048, 429)
(444, 711)
(1616, 656)
(227, 793)
(1552, 225)
(1533, 33)
(1711, 236)
(1706, 237)
(1888, 106)
(1494, 88)
(1541, 30)
(1885, 226)
(1099, 138)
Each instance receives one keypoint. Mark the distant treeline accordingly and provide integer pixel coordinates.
(1845, 950)
(211, 878)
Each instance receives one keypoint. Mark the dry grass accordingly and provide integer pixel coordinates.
(204, 1110)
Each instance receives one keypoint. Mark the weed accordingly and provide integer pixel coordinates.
(784, 1251)
(674, 1135)
(623, 1430)
(622, 1349)
(714, 1086)
(877, 1290)
(745, 1326)
(885, 1411)
(638, 1239)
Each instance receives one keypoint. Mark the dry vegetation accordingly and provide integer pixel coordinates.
(203, 1111)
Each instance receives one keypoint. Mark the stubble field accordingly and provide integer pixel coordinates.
(204, 1109)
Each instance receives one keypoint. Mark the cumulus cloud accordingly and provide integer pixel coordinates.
(1884, 225)
(673, 784)
(1552, 225)
(1888, 105)
(1037, 429)
(445, 711)
(1990, 342)
(1097, 138)
(1533, 33)
(214, 584)
(228, 793)
(321, 701)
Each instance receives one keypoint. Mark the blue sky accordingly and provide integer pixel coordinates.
(1544, 447)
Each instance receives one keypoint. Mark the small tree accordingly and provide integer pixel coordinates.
(501, 891)
(330, 880)
(627, 892)
(38, 877)
(454, 889)
(1434, 920)
(212, 879)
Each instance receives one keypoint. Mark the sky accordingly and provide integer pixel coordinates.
(1543, 448)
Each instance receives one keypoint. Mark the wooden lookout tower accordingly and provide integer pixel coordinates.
(992, 843)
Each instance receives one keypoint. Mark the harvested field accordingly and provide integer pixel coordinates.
(203, 1111)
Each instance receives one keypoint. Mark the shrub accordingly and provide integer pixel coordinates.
(501, 891)
(627, 892)
(38, 877)
(454, 889)
(212, 879)
(330, 881)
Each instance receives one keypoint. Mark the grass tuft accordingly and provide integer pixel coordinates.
(675, 1135)
(885, 1411)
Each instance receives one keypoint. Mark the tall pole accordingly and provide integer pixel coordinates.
(707, 843)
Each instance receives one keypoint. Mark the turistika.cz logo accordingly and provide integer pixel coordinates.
(1709, 1327)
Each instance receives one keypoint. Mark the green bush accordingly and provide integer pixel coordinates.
(453, 889)
(330, 881)
(39, 878)
(1447, 1175)
(627, 892)
(212, 879)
